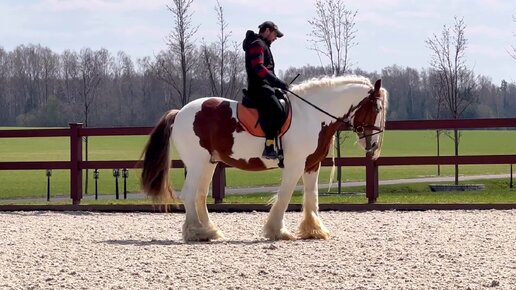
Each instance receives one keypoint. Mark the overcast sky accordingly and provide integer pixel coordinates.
(389, 31)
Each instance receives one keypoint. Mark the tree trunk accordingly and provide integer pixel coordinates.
(339, 168)
(456, 145)
(86, 111)
(86, 159)
(438, 135)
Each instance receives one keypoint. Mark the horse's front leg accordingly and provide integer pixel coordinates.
(311, 226)
(275, 229)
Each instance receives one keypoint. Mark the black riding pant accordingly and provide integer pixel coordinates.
(269, 109)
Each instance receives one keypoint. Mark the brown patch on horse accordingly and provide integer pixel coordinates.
(323, 146)
(214, 125)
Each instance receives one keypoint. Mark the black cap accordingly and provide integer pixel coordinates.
(272, 26)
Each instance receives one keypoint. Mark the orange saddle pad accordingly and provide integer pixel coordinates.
(248, 118)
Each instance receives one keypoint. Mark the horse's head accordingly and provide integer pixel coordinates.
(368, 120)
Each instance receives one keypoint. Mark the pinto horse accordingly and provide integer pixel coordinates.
(207, 131)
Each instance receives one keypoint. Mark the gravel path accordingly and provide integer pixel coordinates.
(368, 250)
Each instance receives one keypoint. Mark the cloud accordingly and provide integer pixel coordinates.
(280, 7)
(485, 50)
(99, 5)
(487, 32)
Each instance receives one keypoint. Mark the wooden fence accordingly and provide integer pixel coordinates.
(76, 164)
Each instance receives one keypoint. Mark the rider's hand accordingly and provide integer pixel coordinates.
(282, 85)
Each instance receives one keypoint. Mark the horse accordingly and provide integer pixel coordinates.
(207, 131)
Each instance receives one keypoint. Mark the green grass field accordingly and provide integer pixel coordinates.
(33, 183)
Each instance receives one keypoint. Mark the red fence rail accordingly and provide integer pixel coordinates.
(75, 132)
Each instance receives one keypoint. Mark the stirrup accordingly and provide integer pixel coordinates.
(269, 152)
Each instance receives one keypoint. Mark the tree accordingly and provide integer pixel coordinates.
(70, 76)
(513, 52)
(180, 43)
(223, 39)
(455, 81)
(223, 64)
(4, 82)
(333, 33)
(93, 66)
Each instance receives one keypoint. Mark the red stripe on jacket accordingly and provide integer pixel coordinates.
(256, 53)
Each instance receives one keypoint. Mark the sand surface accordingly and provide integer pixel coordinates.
(368, 250)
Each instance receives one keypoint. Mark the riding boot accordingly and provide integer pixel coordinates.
(269, 152)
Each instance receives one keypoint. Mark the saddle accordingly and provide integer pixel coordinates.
(248, 115)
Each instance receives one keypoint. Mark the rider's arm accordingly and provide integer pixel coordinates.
(256, 52)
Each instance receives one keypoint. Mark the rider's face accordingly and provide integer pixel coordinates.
(271, 35)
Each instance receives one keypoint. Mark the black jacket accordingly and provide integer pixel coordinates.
(259, 62)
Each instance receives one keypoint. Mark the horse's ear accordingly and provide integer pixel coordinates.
(377, 85)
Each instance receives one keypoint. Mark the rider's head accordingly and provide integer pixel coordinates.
(269, 31)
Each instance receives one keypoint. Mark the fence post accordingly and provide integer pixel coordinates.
(371, 179)
(219, 183)
(75, 159)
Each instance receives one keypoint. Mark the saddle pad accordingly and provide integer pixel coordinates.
(248, 118)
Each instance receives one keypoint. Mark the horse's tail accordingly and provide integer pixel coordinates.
(156, 162)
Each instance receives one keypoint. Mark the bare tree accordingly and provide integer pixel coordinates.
(209, 60)
(50, 72)
(223, 39)
(4, 82)
(454, 79)
(333, 33)
(221, 62)
(70, 76)
(92, 70)
(235, 67)
(513, 52)
(163, 68)
(180, 43)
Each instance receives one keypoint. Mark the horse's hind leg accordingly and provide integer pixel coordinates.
(201, 196)
(311, 226)
(197, 225)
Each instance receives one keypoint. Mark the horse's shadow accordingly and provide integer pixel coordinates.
(179, 243)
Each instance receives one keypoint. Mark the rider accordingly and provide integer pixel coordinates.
(262, 82)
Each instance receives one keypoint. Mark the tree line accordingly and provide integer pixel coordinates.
(39, 87)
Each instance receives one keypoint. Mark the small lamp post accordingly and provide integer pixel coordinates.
(96, 177)
(116, 174)
(125, 175)
(48, 173)
(510, 183)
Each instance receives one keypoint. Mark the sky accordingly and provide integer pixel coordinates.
(389, 32)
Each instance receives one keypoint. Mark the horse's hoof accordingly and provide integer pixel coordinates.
(201, 234)
(217, 234)
(312, 228)
(315, 234)
(281, 235)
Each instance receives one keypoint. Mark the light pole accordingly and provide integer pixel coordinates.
(48, 174)
(116, 174)
(96, 177)
(125, 175)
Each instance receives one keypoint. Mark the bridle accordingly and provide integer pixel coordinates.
(362, 126)
(360, 129)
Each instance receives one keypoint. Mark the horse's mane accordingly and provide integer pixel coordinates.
(315, 83)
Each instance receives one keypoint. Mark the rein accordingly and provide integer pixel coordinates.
(316, 107)
(344, 119)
